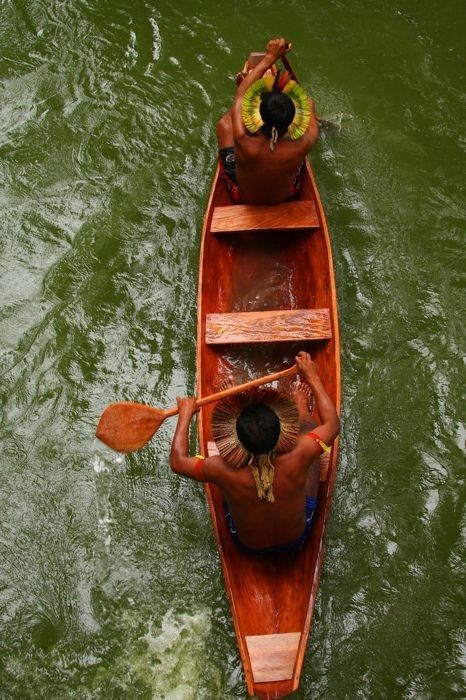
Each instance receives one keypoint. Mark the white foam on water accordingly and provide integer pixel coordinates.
(99, 465)
(104, 463)
(176, 659)
(370, 524)
(461, 436)
(170, 657)
(131, 49)
(432, 501)
(156, 39)
(104, 460)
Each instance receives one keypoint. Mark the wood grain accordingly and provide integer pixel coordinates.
(273, 656)
(268, 326)
(288, 216)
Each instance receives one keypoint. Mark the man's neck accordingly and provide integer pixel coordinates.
(281, 134)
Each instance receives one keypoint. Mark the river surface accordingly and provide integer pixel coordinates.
(110, 584)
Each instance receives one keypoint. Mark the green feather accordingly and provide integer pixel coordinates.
(250, 106)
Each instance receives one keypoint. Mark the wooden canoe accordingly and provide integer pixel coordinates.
(266, 291)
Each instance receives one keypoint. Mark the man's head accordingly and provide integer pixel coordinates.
(258, 428)
(276, 110)
(254, 422)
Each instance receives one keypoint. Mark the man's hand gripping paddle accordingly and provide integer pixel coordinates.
(127, 426)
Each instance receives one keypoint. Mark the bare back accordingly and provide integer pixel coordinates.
(260, 523)
(265, 176)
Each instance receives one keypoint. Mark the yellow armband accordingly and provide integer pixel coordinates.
(321, 443)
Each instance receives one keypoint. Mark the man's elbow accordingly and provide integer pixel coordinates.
(312, 137)
(332, 427)
(174, 462)
(309, 139)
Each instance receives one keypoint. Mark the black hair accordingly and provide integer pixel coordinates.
(258, 428)
(276, 109)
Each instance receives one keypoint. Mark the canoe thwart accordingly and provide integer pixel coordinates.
(324, 459)
(273, 656)
(288, 216)
(268, 326)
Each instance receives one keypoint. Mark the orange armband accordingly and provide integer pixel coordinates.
(321, 443)
(198, 466)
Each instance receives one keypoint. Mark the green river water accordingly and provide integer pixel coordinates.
(110, 583)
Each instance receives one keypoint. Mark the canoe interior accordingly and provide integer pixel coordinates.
(251, 271)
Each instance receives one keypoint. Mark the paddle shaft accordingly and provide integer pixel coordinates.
(287, 66)
(238, 389)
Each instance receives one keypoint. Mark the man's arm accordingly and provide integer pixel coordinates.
(329, 428)
(180, 461)
(276, 48)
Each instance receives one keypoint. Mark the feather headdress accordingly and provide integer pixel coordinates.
(250, 106)
(224, 432)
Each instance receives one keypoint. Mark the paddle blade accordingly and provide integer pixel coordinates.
(127, 426)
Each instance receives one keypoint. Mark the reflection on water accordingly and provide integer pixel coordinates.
(107, 148)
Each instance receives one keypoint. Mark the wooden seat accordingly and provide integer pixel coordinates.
(273, 656)
(268, 326)
(288, 216)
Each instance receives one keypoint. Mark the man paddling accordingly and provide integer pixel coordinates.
(270, 480)
(265, 137)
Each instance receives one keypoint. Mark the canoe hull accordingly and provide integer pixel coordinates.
(272, 599)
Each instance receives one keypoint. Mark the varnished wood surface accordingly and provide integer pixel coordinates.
(278, 596)
(273, 656)
(286, 217)
(268, 326)
(273, 595)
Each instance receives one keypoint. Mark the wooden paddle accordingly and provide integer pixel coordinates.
(127, 426)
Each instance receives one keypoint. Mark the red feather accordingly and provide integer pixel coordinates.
(284, 78)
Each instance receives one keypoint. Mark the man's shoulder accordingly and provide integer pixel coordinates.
(299, 146)
(300, 454)
(248, 143)
(216, 469)
(217, 462)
